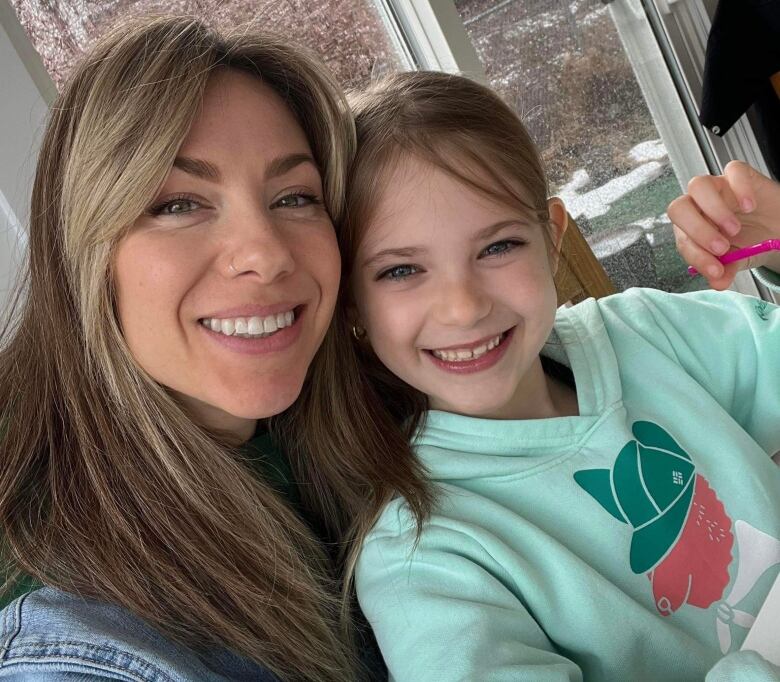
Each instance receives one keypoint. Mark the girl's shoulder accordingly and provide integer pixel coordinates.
(690, 318)
(48, 634)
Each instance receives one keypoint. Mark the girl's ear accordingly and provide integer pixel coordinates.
(353, 319)
(559, 221)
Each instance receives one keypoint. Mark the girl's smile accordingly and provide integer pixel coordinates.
(456, 293)
(475, 357)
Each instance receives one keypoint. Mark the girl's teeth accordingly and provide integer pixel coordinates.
(248, 327)
(467, 354)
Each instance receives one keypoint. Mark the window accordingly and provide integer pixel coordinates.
(562, 66)
(351, 35)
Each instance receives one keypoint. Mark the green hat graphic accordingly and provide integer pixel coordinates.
(650, 487)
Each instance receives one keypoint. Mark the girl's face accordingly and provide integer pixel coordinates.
(456, 293)
(227, 283)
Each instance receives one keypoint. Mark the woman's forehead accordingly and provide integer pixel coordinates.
(237, 108)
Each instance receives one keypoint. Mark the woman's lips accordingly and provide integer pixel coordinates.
(277, 341)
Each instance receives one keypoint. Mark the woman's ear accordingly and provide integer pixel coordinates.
(559, 221)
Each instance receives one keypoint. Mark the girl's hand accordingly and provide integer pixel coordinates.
(737, 209)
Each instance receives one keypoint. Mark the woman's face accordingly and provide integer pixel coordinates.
(226, 284)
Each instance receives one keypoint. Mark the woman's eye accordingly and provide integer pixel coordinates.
(174, 207)
(398, 272)
(501, 248)
(297, 200)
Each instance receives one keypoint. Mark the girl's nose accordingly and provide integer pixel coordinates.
(462, 303)
(261, 248)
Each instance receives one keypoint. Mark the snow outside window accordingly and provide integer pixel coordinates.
(561, 65)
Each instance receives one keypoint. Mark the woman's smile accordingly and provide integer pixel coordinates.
(256, 335)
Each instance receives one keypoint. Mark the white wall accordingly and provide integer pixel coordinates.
(22, 114)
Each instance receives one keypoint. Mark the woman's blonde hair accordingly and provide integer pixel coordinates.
(466, 130)
(107, 487)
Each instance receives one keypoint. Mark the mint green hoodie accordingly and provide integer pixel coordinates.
(634, 542)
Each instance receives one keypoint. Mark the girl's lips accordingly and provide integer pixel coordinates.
(479, 364)
(279, 341)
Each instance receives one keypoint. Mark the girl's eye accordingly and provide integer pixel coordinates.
(172, 207)
(296, 200)
(501, 248)
(398, 272)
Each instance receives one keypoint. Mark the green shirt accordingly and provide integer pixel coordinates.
(265, 458)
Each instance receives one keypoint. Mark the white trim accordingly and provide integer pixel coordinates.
(658, 88)
(10, 217)
(437, 38)
(27, 54)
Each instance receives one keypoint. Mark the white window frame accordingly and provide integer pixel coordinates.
(28, 93)
(436, 37)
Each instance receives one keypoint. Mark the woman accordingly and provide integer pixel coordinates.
(183, 273)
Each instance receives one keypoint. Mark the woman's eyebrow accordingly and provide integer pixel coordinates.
(197, 167)
(284, 164)
(208, 171)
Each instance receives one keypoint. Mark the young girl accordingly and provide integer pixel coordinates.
(605, 503)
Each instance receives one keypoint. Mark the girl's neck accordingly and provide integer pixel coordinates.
(546, 391)
(542, 395)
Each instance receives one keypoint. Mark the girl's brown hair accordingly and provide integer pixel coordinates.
(107, 487)
(466, 130)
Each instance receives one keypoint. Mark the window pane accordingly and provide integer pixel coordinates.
(348, 34)
(560, 63)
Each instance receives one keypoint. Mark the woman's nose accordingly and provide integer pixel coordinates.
(462, 302)
(260, 247)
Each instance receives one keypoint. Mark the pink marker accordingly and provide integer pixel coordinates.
(747, 252)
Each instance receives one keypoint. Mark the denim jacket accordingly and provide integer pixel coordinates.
(57, 637)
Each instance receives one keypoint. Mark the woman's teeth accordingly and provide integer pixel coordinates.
(249, 327)
(457, 355)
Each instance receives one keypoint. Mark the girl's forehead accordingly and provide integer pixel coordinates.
(414, 184)
(422, 203)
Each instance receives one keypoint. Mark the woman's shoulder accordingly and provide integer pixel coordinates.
(51, 635)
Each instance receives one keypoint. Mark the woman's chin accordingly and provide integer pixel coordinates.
(262, 403)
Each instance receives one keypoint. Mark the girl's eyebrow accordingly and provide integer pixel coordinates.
(405, 252)
(490, 230)
(412, 251)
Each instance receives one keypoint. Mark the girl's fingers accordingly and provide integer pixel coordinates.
(741, 179)
(693, 254)
(725, 280)
(688, 220)
(716, 200)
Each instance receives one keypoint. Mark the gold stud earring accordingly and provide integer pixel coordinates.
(358, 332)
